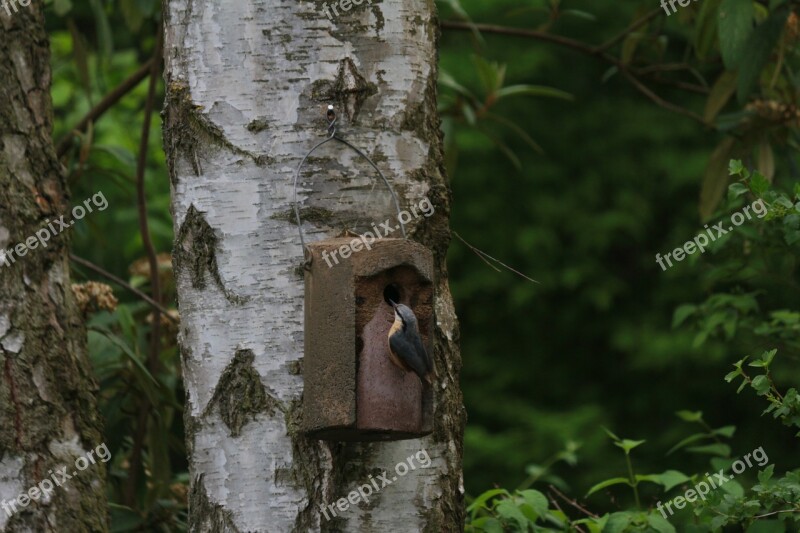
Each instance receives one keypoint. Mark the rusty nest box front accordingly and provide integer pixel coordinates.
(352, 390)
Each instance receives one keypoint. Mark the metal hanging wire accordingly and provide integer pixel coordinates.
(331, 115)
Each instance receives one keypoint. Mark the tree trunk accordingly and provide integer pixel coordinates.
(48, 412)
(248, 85)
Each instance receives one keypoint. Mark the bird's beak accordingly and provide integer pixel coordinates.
(393, 304)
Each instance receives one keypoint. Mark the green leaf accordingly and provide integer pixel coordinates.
(736, 190)
(718, 521)
(480, 501)
(725, 431)
(690, 416)
(508, 509)
(532, 90)
(127, 351)
(688, 440)
(491, 74)
(536, 500)
(730, 376)
(658, 523)
(735, 167)
(579, 14)
(758, 50)
(608, 74)
(721, 92)
(715, 181)
(608, 483)
(765, 158)
(618, 522)
(610, 434)
(681, 314)
(672, 478)
(488, 524)
(766, 474)
(628, 444)
(448, 81)
(735, 25)
(722, 450)
(705, 35)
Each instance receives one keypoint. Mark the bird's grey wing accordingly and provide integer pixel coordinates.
(410, 354)
(420, 348)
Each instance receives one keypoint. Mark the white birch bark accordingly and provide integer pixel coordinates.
(248, 83)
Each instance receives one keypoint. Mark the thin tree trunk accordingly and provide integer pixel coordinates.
(48, 412)
(247, 87)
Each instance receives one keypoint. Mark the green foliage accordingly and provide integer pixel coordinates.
(773, 502)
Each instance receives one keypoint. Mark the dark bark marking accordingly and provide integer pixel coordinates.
(349, 90)
(240, 395)
(196, 246)
(206, 516)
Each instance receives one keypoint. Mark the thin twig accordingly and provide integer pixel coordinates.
(588, 50)
(573, 503)
(483, 255)
(521, 32)
(108, 275)
(635, 26)
(691, 87)
(135, 460)
(660, 101)
(105, 104)
(777, 512)
(555, 504)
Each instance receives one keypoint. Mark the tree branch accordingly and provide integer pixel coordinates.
(598, 51)
(521, 32)
(119, 281)
(660, 101)
(573, 503)
(104, 105)
(635, 26)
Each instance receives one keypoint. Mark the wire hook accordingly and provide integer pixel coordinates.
(331, 115)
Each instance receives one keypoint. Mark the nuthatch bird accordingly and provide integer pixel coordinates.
(406, 349)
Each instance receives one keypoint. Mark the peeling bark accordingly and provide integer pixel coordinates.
(248, 84)
(48, 412)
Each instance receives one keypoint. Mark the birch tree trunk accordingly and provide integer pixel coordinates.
(48, 412)
(248, 83)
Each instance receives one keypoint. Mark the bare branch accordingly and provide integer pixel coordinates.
(104, 105)
(119, 281)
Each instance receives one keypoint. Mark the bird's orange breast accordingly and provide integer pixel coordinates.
(395, 329)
